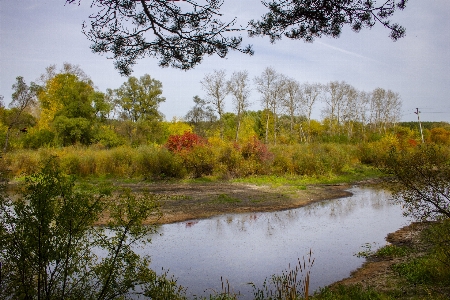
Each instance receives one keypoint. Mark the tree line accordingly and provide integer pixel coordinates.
(287, 106)
(64, 108)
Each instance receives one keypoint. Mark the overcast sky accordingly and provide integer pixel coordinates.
(37, 33)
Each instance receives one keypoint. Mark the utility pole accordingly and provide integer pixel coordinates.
(417, 112)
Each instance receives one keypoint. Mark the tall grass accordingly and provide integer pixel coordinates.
(292, 284)
(220, 160)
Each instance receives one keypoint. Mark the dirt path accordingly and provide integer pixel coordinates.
(195, 201)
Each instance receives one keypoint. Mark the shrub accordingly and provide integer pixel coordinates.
(158, 163)
(255, 149)
(198, 161)
(185, 141)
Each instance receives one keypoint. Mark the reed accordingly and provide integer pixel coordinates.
(292, 284)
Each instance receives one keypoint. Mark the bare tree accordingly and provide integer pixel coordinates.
(363, 111)
(350, 109)
(238, 86)
(215, 86)
(292, 101)
(271, 86)
(334, 97)
(310, 94)
(385, 109)
(22, 98)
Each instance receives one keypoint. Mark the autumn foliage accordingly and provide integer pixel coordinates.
(186, 141)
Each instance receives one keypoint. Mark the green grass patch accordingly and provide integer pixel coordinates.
(226, 199)
(392, 251)
(416, 271)
(300, 182)
(353, 292)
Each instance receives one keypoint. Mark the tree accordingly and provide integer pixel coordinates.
(238, 86)
(310, 19)
(310, 94)
(385, 107)
(139, 99)
(66, 107)
(137, 102)
(49, 244)
(334, 99)
(421, 181)
(23, 97)
(215, 86)
(180, 38)
(201, 116)
(291, 102)
(271, 86)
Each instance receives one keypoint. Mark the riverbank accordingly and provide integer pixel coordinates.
(188, 201)
(401, 270)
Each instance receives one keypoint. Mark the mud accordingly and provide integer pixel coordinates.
(182, 202)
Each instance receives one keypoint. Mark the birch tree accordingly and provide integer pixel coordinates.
(292, 100)
(238, 86)
(271, 86)
(310, 94)
(215, 86)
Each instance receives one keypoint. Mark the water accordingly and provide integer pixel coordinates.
(247, 248)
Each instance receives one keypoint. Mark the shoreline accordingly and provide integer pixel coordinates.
(185, 202)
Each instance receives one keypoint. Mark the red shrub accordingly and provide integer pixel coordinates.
(186, 141)
(257, 150)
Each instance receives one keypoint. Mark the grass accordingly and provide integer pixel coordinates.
(225, 199)
(301, 182)
(393, 251)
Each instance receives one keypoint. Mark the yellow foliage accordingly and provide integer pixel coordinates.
(178, 128)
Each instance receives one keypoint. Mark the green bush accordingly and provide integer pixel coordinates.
(198, 161)
(158, 163)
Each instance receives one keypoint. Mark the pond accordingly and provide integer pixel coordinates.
(247, 248)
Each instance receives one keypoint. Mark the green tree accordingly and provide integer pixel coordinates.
(23, 98)
(139, 99)
(49, 244)
(421, 181)
(137, 102)
(66, 108)
(201, 116)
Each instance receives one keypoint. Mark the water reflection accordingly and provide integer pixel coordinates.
(249, 247)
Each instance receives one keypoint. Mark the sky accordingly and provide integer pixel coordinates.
(37, 33)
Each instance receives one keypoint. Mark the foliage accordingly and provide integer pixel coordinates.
(49, 245)
(392, 251)
(139, 99)
(66, 108)
(183, 142)
(438, 235)
(181, 35)
(440, 135)
(18, 116)
(421, 181)
(307, 20)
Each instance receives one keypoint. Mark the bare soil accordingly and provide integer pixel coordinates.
(187, 201)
